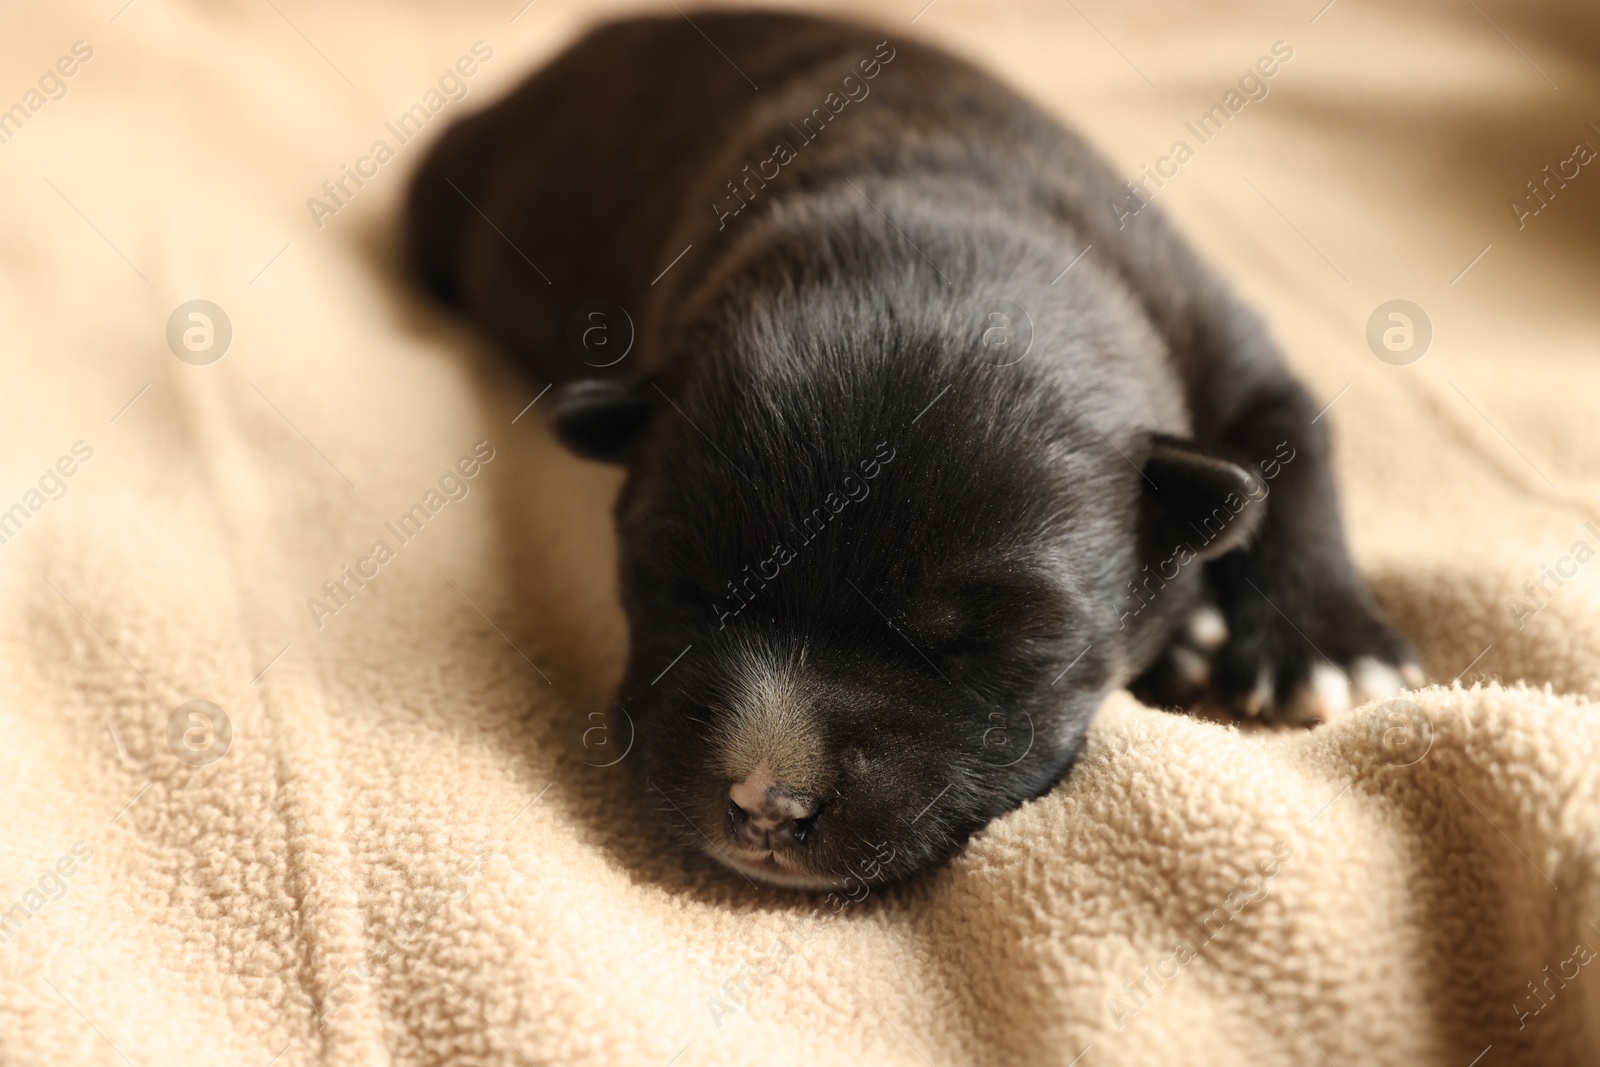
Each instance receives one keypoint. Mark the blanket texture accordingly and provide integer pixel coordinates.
(257, 811)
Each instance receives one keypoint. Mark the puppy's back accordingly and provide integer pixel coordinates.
(566, 191)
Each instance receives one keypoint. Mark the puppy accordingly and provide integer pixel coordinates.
(935, 433)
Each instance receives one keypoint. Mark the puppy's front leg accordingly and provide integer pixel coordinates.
(1303, 635)
(1305, 639)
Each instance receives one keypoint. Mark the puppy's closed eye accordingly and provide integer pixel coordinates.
(979, 611)
(933, 622)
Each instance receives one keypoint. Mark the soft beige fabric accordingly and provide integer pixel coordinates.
(403, 858)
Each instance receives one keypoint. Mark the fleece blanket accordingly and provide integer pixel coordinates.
(309, 627)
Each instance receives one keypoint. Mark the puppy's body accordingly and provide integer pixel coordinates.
(930, 443)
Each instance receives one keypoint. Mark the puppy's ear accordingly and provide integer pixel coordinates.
(1196, 498)
(598, 418)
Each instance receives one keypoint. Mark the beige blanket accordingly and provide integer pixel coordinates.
(386, 834)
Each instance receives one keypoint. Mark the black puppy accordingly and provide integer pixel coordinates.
(935, 433)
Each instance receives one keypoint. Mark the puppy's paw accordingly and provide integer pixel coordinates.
(1181, 678)
(1302, 656)
(1256, 662)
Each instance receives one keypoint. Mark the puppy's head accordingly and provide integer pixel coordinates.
(869, 611)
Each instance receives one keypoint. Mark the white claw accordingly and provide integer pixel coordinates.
(1374, 680)
(1260, 697)
(1192, 666)
(1207, 629)
(1329, 692)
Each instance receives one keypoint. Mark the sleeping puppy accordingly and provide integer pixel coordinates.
(935, 432)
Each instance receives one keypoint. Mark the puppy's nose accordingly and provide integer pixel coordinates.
(763, 814)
